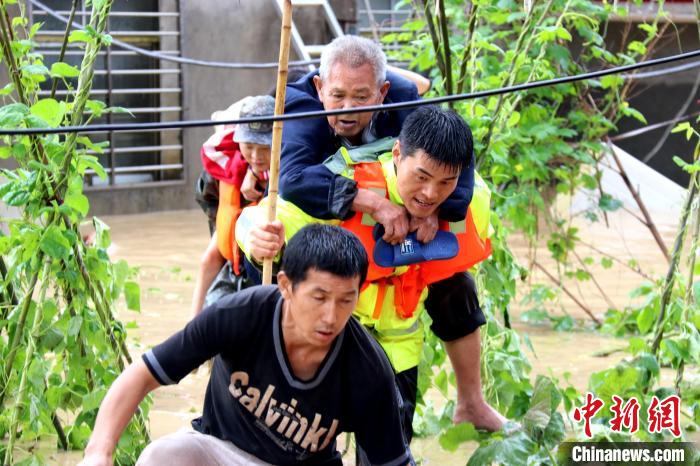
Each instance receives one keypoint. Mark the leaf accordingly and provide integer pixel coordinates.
(609, 81)
(678, 349)
(642, 290)
(96, 107)
(555, 431)
(684, 126)
(606, 262)
(636, 345)
(12, 115)
(632, 112)
(76, 322)
(119, 110)
(87, 142)
(36, 69)
(86, 162)
(537, 417)
(92, 400)
(54, 243)
(688, 167)
(609, 203)
(649, 362)
(7, 89)
(64, 70)
(637, 47)
(78, 202)
(79, 36)
(102, 237)
(50, 111)
(589, 181)
(456, 435)
(440, 382)
(645, 319)
(511, 450)
(513, 119)
(563, 34)
(563, 324)
(52, 338)
(132, 293)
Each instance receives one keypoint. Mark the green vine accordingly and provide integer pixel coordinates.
(61, 345)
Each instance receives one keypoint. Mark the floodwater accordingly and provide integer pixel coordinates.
(167, 246)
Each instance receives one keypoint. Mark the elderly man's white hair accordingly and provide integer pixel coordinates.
(354, 51)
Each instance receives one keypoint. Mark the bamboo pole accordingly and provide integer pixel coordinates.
(277, 126)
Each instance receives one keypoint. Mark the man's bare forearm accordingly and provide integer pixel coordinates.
(366, 201)
(118, 406)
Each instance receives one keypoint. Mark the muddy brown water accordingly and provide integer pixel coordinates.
(167, 247)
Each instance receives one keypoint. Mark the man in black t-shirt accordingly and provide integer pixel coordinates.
(292, 370)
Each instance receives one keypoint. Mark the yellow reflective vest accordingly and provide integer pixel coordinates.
(399, 332)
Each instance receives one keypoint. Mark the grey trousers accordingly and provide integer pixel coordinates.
(190, 448)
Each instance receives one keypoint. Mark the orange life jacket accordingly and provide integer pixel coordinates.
(410, 284)
(226, 217)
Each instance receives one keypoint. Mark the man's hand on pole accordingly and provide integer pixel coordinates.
(266, 240)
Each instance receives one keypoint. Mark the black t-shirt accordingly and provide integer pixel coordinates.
(254, 400)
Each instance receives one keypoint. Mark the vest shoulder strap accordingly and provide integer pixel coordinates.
(344, 158)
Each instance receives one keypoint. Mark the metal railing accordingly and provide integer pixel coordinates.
(148, 88)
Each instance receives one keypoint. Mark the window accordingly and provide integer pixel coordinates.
(149, 88)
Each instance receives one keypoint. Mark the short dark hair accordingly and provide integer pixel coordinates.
(326, 248)
(442, 134)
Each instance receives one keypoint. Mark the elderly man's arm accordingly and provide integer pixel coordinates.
(117, 408)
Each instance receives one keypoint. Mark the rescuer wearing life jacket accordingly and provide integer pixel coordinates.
(353, 73)
(238, 157)
(419, 172)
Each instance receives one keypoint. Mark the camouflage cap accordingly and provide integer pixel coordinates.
(256, 133)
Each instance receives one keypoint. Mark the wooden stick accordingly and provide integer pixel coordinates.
(277, 126)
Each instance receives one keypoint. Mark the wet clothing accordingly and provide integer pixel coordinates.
(188, 447)
(306, 143)
(453, 305)
(254, 400)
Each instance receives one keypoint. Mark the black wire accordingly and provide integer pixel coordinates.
(652, 127)
(662, 72)
(347, 111)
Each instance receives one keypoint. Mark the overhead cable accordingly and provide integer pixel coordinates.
(662, 72)
(646, 129)
(684, 108)
(347, 111)
(269, 65)
(183, 60)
